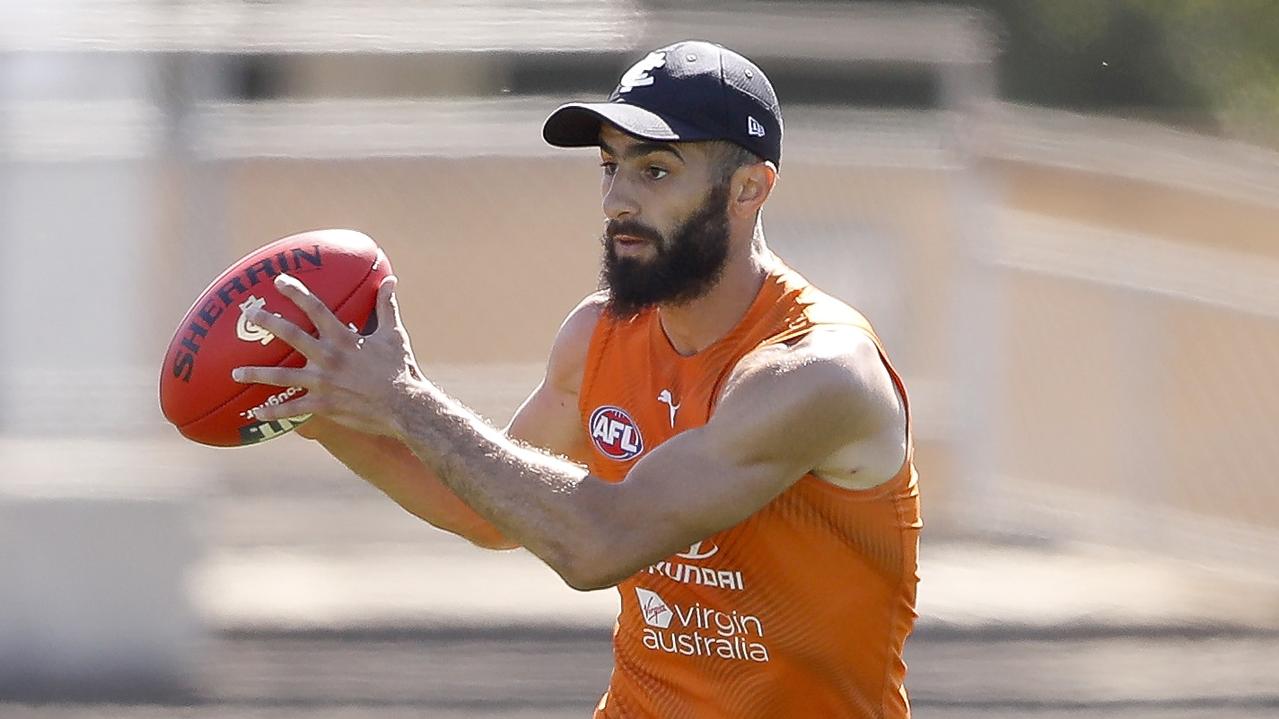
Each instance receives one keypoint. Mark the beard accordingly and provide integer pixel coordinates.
(684, 266)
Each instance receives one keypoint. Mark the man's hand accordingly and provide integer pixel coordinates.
(319, 429)
(349, 378)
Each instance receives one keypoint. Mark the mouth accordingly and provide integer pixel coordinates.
(630, 245)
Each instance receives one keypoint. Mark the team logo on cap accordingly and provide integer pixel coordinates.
(641, 73)
(615, 434)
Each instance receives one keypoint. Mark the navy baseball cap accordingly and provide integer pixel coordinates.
(692, 90)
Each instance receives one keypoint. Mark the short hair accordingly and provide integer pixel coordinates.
(727, 157)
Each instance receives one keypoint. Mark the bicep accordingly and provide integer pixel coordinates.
(710, 481)
(777, 422)
(693, 485)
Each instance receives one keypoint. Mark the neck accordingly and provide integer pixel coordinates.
(693, 326)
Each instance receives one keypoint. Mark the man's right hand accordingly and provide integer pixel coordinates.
(549, 419)
(319, 428)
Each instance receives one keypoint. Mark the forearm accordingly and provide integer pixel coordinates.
(551, 506)
(393, 468)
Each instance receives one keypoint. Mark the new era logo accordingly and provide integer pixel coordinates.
(753, 128)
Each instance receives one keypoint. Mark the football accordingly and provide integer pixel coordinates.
(342, 268)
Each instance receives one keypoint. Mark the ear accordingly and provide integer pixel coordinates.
(750, 187)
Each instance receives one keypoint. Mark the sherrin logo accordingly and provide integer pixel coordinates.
(615, 434)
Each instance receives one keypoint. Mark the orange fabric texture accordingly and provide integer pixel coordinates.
(802, 609)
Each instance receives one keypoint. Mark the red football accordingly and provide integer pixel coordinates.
(343, 268)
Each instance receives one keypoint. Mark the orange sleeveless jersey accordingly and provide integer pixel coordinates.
(802, 609)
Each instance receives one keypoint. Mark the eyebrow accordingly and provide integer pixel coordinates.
(640, 149)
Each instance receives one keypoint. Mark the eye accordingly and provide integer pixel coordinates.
(656, 173)
(610, 168)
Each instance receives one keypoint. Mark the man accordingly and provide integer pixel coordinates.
(715, 437)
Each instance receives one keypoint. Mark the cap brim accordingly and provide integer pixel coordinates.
(577, 124)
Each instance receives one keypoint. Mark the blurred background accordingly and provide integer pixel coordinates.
(1060, 217)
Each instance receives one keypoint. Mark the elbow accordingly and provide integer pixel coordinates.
(599, 552)
(496, 542)
(589, 582)
(488, 537)
(587, 573)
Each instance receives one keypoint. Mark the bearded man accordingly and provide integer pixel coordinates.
(714, 436)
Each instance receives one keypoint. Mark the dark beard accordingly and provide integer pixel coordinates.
(682, 269)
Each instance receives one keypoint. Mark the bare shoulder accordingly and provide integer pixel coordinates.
(567, 361)
(842, 360)
(834, 384)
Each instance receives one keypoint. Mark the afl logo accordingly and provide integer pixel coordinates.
(615, 434)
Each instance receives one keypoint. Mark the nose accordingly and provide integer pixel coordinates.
(619, 201)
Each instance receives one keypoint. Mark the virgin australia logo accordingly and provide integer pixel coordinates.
(699, 630)
(653, 609)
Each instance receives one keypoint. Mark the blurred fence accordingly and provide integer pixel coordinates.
(1136, 277)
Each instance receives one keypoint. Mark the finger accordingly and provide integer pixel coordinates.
(303, 406)
(321, 316)
(285, 330)
(388, 308)
(277, 376)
